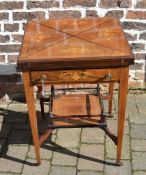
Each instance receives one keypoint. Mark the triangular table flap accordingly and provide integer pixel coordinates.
(111, 38)
(40, 37)
(71, 48)
(74, 26)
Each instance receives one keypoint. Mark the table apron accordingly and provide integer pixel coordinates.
(75, 76)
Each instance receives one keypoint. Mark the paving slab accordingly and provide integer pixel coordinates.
(138, 131)
(65, 157)
(89, 173)
(139, 160)
(115, 108)
(21, 126)
(131, 105)
(141, 101)
(112, 125)
(8, 174)
(60, 170)
(2, 145)
(16, 113)
(3, 112)
(115, 104)
(17, 151)
(91, 157)
(111, 148)
(73, 151)
(7, 165)
(139, 173)
(19, 137)
(138, 145)
(137, 118)
(118, 170)
(13, 160)
(45, 153)
(92, 135)
(5, 129)
(68, 137)
(1, 118)
(42, 169)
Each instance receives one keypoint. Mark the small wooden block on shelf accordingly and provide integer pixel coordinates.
(75, 110)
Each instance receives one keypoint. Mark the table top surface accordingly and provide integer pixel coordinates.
(65, 43)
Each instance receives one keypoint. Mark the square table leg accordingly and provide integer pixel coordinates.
(32, 113)
(122, 109)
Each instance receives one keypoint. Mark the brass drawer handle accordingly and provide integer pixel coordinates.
(108, 76)
(45, 93)
(43, 78)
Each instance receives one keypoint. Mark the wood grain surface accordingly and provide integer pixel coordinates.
(68, 43)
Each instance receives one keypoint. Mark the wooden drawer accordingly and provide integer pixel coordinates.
(76, 76)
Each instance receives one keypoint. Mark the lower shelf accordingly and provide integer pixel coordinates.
(76, 110)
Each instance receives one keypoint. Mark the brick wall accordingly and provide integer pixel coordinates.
(15, 13)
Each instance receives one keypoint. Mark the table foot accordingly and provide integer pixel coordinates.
(38, 163)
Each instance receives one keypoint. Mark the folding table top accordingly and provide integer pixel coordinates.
(74, 43)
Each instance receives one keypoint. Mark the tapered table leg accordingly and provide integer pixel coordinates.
(32, 113)
(121, 111)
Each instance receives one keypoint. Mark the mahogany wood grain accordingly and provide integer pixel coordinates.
(32, 113)
(72, 43)
(76, 76)
(76, 105)
(79, 121)
(75, 51)
(75, 110)
(123, 87)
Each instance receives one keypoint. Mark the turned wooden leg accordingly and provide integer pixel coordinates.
(32, 113)
(123, 87)
(111, 89)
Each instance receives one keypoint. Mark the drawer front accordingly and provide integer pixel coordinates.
(76, 76)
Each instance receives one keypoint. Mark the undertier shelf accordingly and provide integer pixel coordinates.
(76, 110)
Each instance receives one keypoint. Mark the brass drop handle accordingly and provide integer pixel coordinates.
(45, 93)
(43, 78)
(108, 76)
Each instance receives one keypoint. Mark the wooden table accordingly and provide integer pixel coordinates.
(90, 50)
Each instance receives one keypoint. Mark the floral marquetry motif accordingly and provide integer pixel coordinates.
(39, 37)
(76, 75)
(51, 42)
(74, 50)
